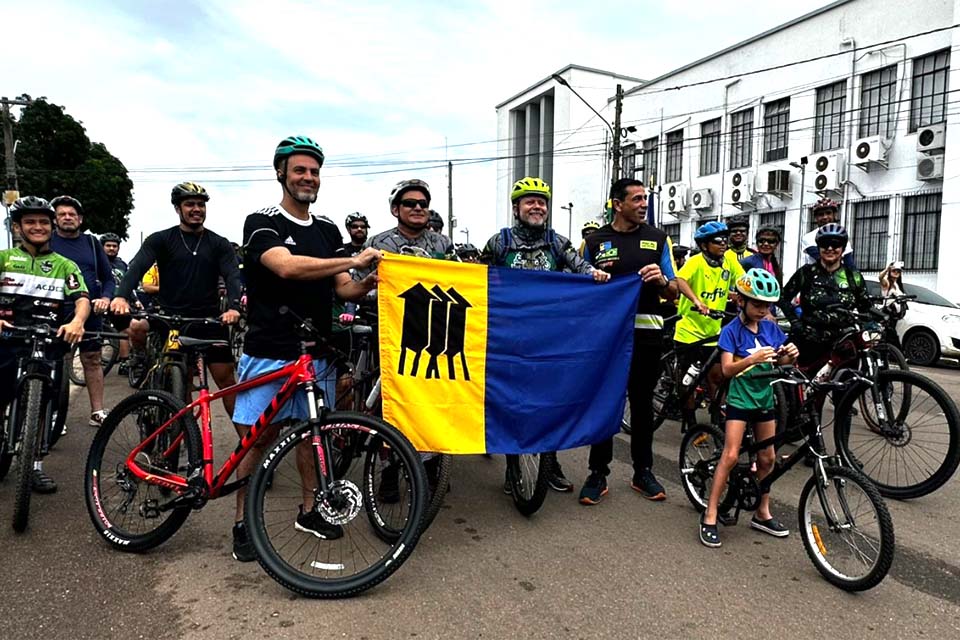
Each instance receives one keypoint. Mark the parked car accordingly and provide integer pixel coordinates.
(930, 330)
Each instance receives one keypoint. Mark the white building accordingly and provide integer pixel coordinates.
(859, 90)
(549, 133)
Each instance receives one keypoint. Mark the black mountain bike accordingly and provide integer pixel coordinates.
(844, 523)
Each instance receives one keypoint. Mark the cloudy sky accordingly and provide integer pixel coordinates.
(203, 91)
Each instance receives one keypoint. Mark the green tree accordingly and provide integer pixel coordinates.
(56, 157)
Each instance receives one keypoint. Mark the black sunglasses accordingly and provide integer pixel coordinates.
(719, 240)
(832, 244)
(768, 241)
(410, 203)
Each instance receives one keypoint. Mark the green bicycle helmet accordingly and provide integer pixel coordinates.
(297, 144)
(759, 284)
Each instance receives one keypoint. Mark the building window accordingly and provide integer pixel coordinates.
(741, 139)
(674, 166)
(628, 161)
(931, 84)
(775, 219)
(710, 147)
(673, 230)
(871, 219)
(776, 130)
(921, 232)
(651, 164)
(831, 101)
(878, 102)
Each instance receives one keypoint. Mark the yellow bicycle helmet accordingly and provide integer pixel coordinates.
(529, 187)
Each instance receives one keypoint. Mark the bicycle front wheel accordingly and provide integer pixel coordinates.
(32, 423)
(846, 529)
(906, 457)
(329, 549)
(59, 403)
(131, 514)
(75, 368)
(700, 452)
(527, 474)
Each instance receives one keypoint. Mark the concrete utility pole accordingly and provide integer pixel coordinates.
(616, 129)
(451, 223)
(8, 141)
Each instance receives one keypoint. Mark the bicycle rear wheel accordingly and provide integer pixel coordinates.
(330, 550)
(125, 510)
(846, 529)
(905, 458)
(700, 452)
(438, 484)
(30, 429)
(527, 474)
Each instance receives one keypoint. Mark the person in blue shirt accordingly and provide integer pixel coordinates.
(86, 251)
(749, 345)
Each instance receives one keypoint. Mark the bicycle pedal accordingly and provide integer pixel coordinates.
(150, 508)
(727, 520)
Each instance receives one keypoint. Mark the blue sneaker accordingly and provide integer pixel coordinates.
(646, 484)
(594, 488)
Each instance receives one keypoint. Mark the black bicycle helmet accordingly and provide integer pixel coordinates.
(739, 221)
(68, 201)
(109, 237)
(435, 222)
(30, 204)
(356, 216)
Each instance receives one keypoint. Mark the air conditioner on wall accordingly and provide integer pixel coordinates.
(932, 138)
(702, 199)
(930, 167)
(740, 186)
(869, 151)
(829, 169)
(675, 197)
(778, 182)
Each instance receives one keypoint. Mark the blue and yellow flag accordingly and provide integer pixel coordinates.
(479, 359)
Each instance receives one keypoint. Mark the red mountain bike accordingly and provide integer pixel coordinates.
(151, 464)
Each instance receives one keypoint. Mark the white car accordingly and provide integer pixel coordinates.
(930, 330)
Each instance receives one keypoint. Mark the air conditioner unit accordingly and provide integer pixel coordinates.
(871, 150)
(702, 199)
(932, 138)
(675, 197)
(930, 167)
(829, 169)
(740, 186)
(778, 181)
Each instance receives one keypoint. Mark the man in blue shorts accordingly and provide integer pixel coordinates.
(292, 259)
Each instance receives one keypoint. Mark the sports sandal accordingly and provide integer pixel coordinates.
(709, 535)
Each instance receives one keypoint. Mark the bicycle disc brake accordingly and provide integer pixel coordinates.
(341, 503)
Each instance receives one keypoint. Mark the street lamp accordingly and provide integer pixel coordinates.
(466, 231)
(569, 210)
(614, 135)
(802, 165)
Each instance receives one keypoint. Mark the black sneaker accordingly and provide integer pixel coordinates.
(646, 484)
(594, 488)
(771, 527)
(558, 481)
(123, 367)
(314, 523)
(42, 483)
(243, 550)
(507, 485)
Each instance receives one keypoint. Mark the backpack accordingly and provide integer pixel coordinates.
(506, 239)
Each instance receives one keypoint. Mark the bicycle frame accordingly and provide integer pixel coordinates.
(296, 374)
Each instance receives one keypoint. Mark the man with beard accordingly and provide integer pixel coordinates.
(530, 244)
(292, 259)
(85, 250)
(192, 259)
(358, 227)
(29, 265)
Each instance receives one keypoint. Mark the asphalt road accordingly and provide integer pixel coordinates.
(624, 568)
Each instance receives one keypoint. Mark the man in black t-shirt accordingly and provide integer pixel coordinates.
(296, 260)
(629, 245)
(358, 228)
(192, 260)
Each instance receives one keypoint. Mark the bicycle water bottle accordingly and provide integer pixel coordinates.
(824, 374)
(691, 374)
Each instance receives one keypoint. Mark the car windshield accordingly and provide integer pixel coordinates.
(926, 296)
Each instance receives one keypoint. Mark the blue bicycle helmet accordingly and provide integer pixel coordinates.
(710, 230)
(832, 230)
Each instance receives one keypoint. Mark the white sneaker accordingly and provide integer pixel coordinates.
(97, 418)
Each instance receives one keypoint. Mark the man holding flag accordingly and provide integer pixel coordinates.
(630, 244)
(531, 244)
